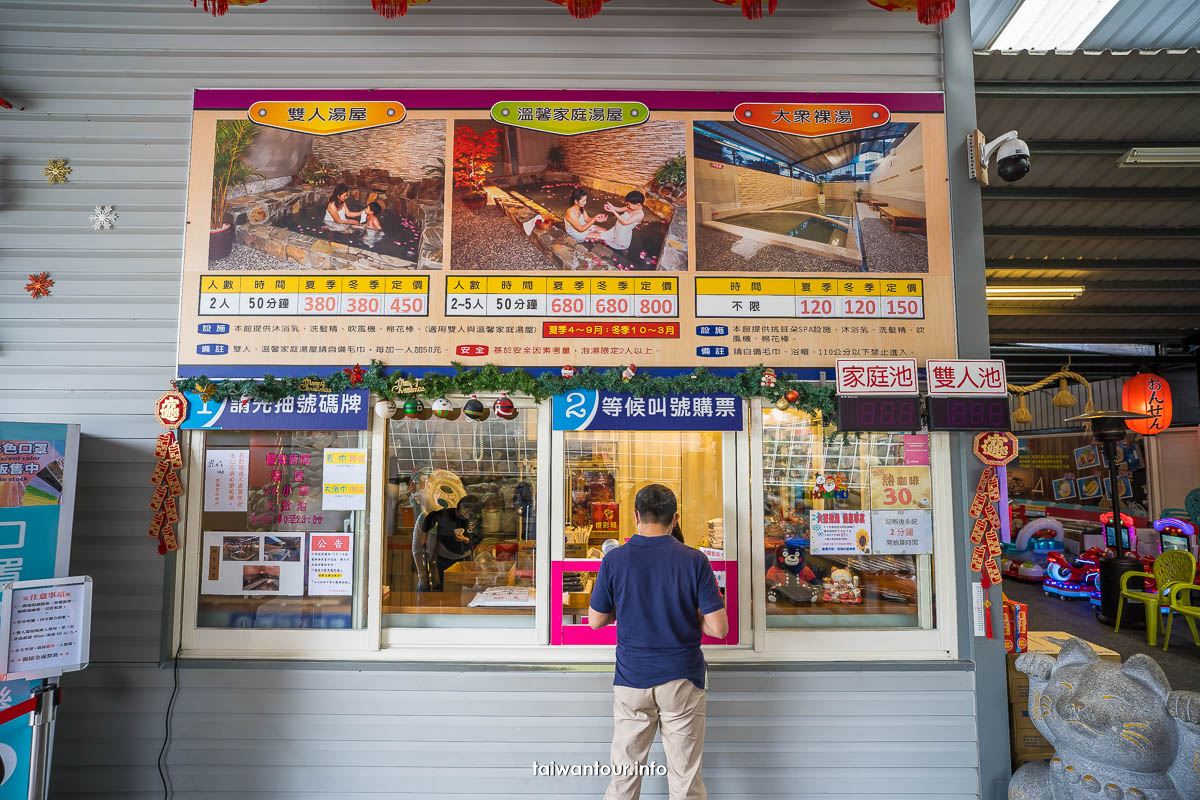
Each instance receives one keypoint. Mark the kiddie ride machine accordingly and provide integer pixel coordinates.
(1026, 558)
(1173, 534)
(1079, 577)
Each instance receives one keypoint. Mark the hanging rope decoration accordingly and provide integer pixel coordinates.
(1062, 399)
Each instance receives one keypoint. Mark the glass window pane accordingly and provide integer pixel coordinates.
(605, 470)
(851, 575)
(276, 552)
(461, 526)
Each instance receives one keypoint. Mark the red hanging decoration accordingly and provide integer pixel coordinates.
(929, 12)
(581, 9)
(39, 285)
(356, 375)
(752, 9)
(390, 9)
(5, 104)
(218, 7)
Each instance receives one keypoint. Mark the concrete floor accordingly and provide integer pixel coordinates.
(1181, 662)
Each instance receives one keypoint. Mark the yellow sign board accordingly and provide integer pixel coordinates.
(326, 118)
(900, 488)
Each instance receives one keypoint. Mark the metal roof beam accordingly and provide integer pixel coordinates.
(1075, 335)
(1101, 286)
(1039, 147)
(1110, 193)
(1037, 90)
(1080, 232)
(1132, 266)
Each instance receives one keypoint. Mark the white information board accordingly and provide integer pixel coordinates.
(45, 627)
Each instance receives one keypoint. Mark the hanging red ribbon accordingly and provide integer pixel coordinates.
(752, 9)
(390, 9)
(581, 9)
(929, 12)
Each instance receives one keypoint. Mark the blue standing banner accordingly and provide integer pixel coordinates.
(596, 410)
(38, 465)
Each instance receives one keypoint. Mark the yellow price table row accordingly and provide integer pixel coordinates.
(521, 296)
(802, 298)
(269, 295)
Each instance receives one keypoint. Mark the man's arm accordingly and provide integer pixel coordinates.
(598, 620)
(715, 624)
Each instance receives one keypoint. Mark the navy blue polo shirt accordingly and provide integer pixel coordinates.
(656, 584)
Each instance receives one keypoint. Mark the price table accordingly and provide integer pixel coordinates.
(314, 295)
(587, 296)
(805, 298)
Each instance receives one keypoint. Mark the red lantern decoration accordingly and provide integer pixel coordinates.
(390, 9)
(581, 9)
(929, 12)
(752, 9)
(218, 7)
(1147, 394)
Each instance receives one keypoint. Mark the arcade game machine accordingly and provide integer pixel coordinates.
(1078, 577)
(1025, 559)
(1128, 542)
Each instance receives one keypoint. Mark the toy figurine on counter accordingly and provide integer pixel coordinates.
(789, 578)
(842, 587)
(453, 529)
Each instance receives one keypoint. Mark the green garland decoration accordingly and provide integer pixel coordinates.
(490, 379)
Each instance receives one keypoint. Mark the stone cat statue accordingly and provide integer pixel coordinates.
(1119, 732)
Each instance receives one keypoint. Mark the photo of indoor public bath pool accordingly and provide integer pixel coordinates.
(364, 200)
(771, 202)
(610, 200)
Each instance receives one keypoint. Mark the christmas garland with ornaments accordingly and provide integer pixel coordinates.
(403, 393)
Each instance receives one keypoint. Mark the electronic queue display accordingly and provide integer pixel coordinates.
(968, 413)
(879, 413)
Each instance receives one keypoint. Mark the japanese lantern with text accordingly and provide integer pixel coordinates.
(1147, 393)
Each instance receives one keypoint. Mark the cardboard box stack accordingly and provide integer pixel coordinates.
(1027, 743)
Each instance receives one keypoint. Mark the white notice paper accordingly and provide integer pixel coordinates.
(47, 625)
(330, 564)
(226, 476)
(344, 479)
(978, 615)
(902, 532)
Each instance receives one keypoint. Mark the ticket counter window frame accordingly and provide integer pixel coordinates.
(576, 638)
(934, 639)
(194, 640)
(400, 638)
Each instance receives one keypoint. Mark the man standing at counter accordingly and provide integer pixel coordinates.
(665, 596)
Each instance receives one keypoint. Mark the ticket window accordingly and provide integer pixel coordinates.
(461, 523)
(847, 526)
(602, 472)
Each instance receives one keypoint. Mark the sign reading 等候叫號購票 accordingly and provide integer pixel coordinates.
(594, 410)
(313, 411)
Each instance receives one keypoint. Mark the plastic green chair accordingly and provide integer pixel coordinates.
(1172, 567)
(1181, 601)
(1192, 510)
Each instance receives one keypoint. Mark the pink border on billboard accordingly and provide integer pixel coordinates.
(455, 99)
(583, 634)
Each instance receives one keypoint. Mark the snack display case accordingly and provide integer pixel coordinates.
(600, 474)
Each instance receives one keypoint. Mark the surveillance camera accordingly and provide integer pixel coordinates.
(1012, 156)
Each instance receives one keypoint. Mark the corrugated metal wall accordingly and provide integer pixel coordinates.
(107, 84)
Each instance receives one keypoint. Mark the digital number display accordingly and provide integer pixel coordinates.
(879, 413)
(968, 413)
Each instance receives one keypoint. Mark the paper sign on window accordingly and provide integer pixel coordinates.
(344, 479)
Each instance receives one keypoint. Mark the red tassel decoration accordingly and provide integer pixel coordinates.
(215, 7)
(583, 9)
(753, 9)
(931, 12)
(390, 9)
(5, 104)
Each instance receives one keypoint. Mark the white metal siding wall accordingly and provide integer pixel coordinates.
(108, 84)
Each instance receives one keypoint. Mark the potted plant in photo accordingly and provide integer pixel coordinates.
(317, 173)
(473, 154)
(858, 193)
(671, 176)
(233, 140)
(435, 174)
(556, 158)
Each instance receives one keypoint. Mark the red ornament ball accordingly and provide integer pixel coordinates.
(792, 395)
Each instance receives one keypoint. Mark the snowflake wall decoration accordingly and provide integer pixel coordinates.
(103, 218)
(56, 170)
(39, 285)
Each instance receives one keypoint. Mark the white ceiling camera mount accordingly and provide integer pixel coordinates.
(1011, 153)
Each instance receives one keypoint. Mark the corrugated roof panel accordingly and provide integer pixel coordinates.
(1086, 66)
(1145, 24)
(1093, 248)
(1091, 213)
(987, 18)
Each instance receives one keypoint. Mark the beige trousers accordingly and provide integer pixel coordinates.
(678, 708)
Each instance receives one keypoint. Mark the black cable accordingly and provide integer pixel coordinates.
(162, 775)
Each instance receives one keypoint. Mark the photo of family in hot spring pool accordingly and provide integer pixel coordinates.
(608, 200)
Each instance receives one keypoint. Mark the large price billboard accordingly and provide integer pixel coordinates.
(538, 228)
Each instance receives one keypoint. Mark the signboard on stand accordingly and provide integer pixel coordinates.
(45, 627)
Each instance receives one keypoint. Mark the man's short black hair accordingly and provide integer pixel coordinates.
(635, 197)
(655, 504)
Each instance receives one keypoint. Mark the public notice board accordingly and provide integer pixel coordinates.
(538, 228)
(45, 627)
